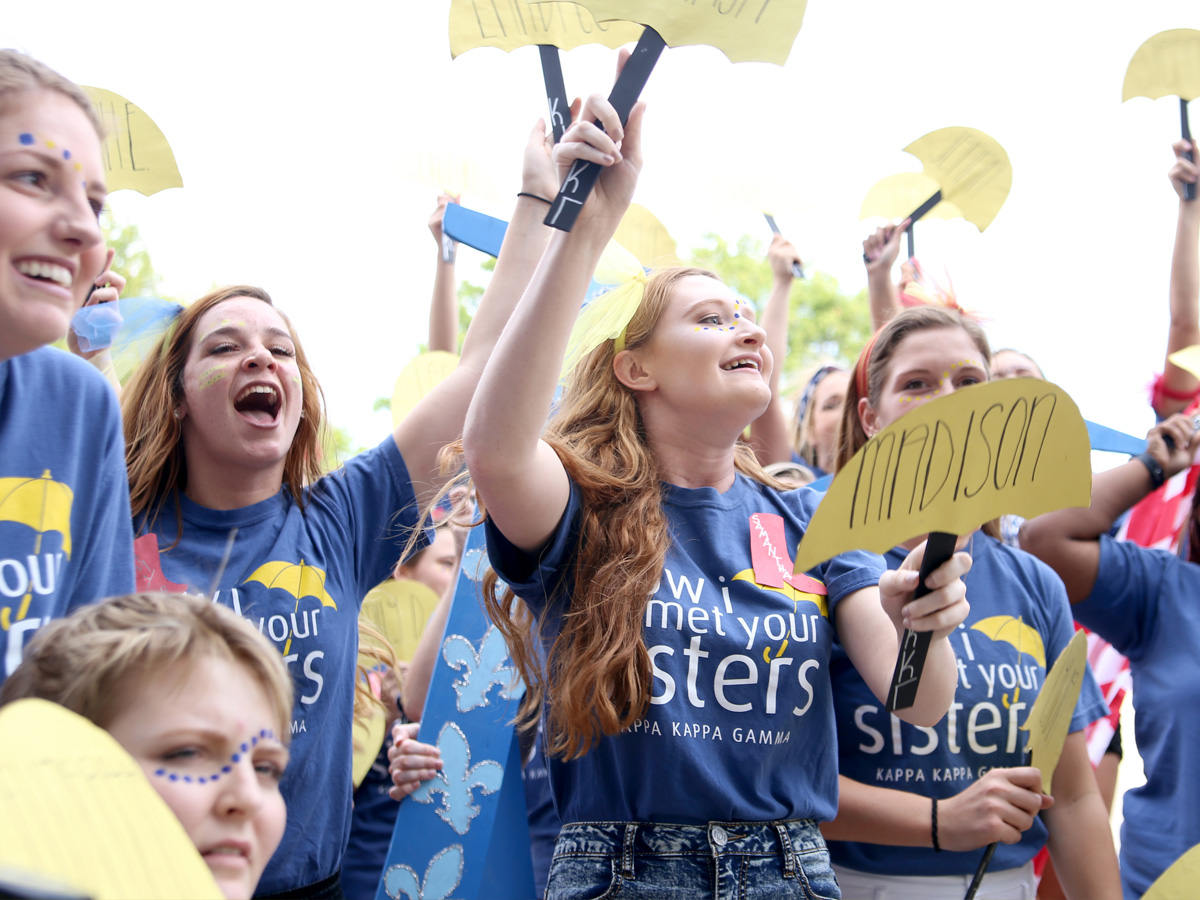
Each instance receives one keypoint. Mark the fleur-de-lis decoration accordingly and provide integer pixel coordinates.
(458, 779)
(480, 671)
(442, 876)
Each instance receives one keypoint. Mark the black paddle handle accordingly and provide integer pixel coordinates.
(1189, 188)
(582, 177)
(556, 90)
(914, 645)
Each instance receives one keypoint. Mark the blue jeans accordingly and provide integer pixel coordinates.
(721, 860)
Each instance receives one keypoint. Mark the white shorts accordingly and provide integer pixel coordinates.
(1009, 884)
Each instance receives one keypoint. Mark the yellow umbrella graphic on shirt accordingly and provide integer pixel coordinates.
(298, 579)
(1013, 630)
(44, 505)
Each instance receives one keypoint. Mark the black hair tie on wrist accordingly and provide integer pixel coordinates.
(1157, 475)
(936, 846)
(535, 197)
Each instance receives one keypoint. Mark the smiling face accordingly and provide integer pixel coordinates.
(925, 365)
(51, 192)
(208, 743)
(242, 393)
(706, 355)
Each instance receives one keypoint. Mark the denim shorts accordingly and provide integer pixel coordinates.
(721, 860)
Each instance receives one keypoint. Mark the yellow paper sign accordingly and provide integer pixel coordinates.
(1167, 65)
(1179, 881)
(135, 152)
(1050, 717)
(78, 810)
(368, 740)
(1187, 359)
(399, 609)
(744, 30)
(643, 235)
(520, 23)
(895, 196)
(1013, 446)
(970, 167)
(420, 376)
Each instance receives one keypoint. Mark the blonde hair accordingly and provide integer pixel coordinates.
(595, 680)
(92, 661)
(154, 437)
(21, 74)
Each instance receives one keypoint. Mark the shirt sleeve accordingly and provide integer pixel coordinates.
(370, 508)
(543, 577)
(1123, 605)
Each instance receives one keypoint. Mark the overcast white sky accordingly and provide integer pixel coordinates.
(295, 124)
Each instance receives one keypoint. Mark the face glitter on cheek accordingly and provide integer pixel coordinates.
(212, 376)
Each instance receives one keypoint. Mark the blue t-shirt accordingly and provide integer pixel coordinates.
(65, 538)
(370, 830)
(1022, 602)
(299, 576)
(1146, 603)
(740, 722)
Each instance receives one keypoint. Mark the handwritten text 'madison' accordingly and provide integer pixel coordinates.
(906, 470)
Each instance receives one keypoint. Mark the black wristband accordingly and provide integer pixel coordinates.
(936, 846)
(1157, 475)
(535, 197)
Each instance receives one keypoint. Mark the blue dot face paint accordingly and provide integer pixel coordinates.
(26, 139)
(234, 759)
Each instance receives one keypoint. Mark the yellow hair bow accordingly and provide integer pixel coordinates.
(607, 315)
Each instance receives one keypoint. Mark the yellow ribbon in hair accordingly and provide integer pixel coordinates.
(607, 315)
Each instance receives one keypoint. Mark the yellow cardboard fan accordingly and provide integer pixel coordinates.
(1012, 446)
(79, 811)
(420, 376)
(520, 23)
(966, 174)
(1050, 718)
(136, 154)
(1178, 882)
(1168, 65)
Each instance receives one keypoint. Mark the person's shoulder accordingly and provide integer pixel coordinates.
(62, 371)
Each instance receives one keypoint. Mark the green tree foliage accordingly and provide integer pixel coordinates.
(131, 258)
(824, 325)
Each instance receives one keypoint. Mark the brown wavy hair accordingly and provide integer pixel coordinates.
(21, 74)
(877, 357)
(595, 680)
(154, 454)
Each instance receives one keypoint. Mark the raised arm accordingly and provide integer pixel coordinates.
(880, 252)
(443, 310)
(438, 418)
(871, 621)
(1068, 540)
(1179, 385)
(519, 479)
(770, 434)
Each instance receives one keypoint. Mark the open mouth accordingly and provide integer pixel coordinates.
(740, 364)
(259, 402)
(45, 271)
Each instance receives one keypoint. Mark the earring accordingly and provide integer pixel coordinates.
(177, 413)
(303, 414)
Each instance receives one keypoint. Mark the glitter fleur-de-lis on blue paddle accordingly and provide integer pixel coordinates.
(458, 779)
(441, 877)
(479, 671)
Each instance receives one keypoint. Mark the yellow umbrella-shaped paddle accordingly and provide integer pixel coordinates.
(968, 171)
(1168, 65)
(136, 153)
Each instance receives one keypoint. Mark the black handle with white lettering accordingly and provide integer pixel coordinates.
(914, 645)
(556, 90)
(582, 178)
